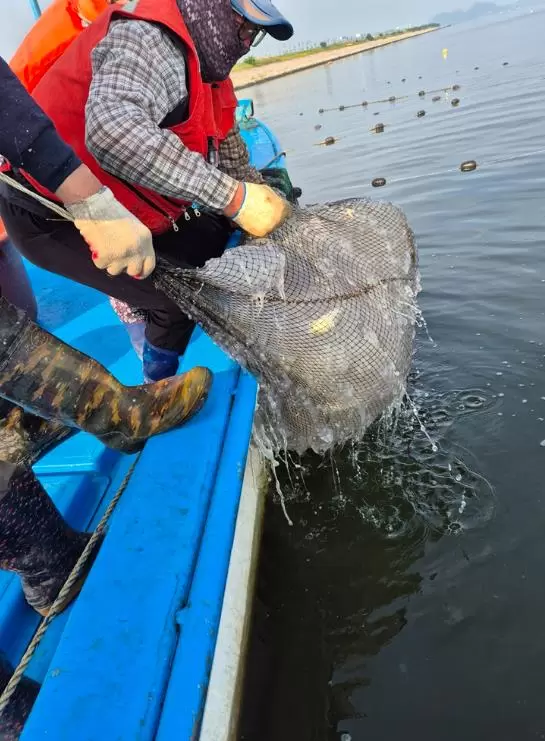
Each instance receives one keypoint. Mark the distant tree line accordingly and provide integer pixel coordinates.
(304, 48)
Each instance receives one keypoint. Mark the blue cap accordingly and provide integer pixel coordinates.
(264, 14)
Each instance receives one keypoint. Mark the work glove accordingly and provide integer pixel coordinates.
(118, 241)
(279, 179)
(261, 211)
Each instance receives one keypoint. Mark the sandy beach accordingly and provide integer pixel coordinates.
(252, 75)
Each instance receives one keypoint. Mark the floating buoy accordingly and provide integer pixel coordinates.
(378, 182)
(392, 99)
(455, 101)
(320, 110)
(327, 142)
(456, 87)
(301, 114)
(388, 83)
(436, 98)
(342, 107)
(419, 77)
(403, 79)
(468, 166)
(317, 127)
(420, 114)
(475, 68)
(505, 64)
(445, 53)
(378, 128)
(422, 93)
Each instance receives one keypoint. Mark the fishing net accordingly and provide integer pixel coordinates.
(322, 312)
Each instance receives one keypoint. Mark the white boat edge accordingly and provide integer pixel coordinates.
(224, 697)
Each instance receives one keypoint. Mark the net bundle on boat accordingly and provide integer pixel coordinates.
(322, 312)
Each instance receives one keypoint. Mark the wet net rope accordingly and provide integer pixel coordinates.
(59, 604)
(322, 312)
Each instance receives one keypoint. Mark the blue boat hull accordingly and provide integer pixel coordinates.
(131, 659)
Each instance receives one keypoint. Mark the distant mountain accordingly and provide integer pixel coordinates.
(477, 10)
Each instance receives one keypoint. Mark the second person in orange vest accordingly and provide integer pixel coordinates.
(144, 98)
(58, 26)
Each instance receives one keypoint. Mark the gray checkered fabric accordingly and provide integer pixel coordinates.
(139, 76)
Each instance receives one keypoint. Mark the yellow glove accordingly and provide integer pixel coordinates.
(118, 241)
(262, 210)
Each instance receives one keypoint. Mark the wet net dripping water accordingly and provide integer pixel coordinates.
(322, 312)
(407, 474)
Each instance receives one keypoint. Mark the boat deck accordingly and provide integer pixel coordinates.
(131, 658)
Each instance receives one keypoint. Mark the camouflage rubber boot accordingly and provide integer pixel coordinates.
(25, 438)
(13, 718)
(57, 382)
(35, 541)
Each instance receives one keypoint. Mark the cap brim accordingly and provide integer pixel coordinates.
(282, 32)
(264, 14)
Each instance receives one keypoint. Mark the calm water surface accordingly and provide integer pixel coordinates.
(408, 599)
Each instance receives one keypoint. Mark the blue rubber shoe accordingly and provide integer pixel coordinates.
(158, 363)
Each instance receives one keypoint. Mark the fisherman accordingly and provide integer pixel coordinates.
(61, 389)
(49, 390)
(143, 96)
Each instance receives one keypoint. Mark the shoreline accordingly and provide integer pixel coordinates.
(243, 78)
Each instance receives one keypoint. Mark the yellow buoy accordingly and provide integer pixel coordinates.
(445, 53)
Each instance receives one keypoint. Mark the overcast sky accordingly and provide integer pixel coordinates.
(313, 19)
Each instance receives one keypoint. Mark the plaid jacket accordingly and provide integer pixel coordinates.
(139, 77)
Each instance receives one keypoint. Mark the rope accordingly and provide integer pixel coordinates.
(408, 96)
(390, 99)
(493, 161)
(58, 605)
(59, 210)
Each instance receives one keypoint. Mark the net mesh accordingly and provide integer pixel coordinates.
(322, 312)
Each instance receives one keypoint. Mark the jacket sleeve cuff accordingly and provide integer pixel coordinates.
(217, 189)
(49, 160)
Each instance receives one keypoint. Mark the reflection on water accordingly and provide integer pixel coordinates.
(406, 599)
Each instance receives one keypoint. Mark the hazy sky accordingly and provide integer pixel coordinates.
(313, 19)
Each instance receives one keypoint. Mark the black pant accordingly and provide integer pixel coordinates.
(57, 246)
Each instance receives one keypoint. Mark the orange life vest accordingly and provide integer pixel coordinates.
(64, 90)
(50, 37)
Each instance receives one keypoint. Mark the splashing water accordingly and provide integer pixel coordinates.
(407, 472)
